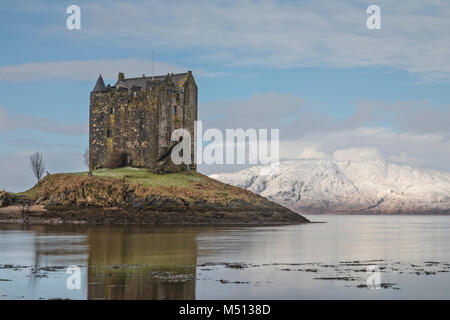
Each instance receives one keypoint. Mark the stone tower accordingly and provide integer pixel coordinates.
(136, 117)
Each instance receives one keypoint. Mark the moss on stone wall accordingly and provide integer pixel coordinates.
(142, 122)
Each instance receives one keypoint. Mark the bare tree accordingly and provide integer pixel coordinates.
(86, 157)
(37, 164)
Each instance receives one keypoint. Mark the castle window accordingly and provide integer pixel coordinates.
(175, 110)
(108, 134)
(135, 94)
(112, 110)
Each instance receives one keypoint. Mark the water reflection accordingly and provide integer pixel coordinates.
(276, 262)
(141, 264)
(119, 262)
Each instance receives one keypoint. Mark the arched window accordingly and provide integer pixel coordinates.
(175, 110)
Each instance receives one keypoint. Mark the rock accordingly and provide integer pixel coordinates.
(171, 199)
(236, 203)
(165, 164)
(138, 204)
(6, 199)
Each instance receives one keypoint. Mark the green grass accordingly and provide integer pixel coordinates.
(144, 177)
(137, 176)
(29, 193)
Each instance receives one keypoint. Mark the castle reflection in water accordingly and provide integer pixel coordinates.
(123, 263)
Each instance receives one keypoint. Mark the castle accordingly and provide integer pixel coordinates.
(136, 117)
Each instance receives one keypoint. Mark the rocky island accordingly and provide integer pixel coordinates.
(137, 196)
(132, 179)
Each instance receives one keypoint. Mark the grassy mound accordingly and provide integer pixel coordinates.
(129, 189)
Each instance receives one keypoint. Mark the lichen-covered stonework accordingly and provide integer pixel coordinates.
(136, 117)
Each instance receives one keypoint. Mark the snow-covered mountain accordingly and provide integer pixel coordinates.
(325, 186)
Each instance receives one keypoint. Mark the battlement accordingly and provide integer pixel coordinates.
(142, 83)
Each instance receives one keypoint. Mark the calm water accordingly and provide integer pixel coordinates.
(326, 260)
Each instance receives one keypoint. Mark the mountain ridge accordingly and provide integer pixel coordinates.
(348, 187)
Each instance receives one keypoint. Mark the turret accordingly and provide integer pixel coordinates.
(100, 85)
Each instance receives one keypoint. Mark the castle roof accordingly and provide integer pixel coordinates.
(179, 80)
(100, 85)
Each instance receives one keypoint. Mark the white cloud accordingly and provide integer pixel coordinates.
(404, 158)
(312, 153)
(416, 149)
(279, 34)
(414, 35)
(84, 70)
(357, 154)
(89, 70)
(268, 110)
(308, 132)
(10, 123)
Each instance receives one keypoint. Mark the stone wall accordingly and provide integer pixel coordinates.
(139, 122)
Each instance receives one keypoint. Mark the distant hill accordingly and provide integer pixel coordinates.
(369, 187)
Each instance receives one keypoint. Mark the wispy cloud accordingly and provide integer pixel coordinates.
(416, 149)
(15, 122)
(298, 117)
(83, 69)
(282, 34)
(34, 143)
(88, 70)
(278, 34)
(269, 110)
(407, 132)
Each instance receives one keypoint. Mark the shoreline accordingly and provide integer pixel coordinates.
(375, 214)
(192, 217)
(39, 214)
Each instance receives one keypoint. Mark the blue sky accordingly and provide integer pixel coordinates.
(310, 68)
